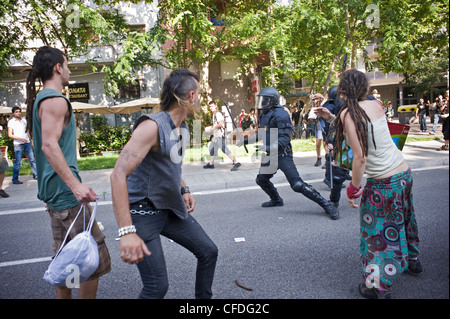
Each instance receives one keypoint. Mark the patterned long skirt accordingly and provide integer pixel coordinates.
(389, 234)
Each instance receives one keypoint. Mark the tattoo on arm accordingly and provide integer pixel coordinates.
(127, 157)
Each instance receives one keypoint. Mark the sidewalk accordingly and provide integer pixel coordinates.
(418, 155)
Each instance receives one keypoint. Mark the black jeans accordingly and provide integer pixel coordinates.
(186, 232)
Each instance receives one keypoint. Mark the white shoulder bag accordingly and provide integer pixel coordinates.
(78, 260)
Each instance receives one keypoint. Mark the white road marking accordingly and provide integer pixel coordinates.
(239, 189)
(218, 191)
(25, 261)
(39, 209)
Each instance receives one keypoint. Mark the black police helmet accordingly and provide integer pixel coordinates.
(332, 93)
(268, 97)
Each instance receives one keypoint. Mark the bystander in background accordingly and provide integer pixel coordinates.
(4, 166)
(421, 114)
(17, 130)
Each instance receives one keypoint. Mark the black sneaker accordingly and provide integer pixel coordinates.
(415, 267)
(17, 182)
(273, 203)
(208, 166)
(372, 293)
(318, 162)
(235, 166)
(3, 193)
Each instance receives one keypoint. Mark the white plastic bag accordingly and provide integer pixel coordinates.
(78, 260)
(312, 115)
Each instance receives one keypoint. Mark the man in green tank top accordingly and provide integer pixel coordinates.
(53, 125)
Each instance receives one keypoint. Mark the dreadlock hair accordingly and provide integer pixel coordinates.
(354, 87)
(176, 87)
(43, 62)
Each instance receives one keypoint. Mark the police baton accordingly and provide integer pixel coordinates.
(330, 153)
(235, 126)
(344, 63)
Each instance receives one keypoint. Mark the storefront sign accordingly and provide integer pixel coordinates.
(79, 92)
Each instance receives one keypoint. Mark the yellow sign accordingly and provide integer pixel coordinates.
(407, 108)
(79, 91)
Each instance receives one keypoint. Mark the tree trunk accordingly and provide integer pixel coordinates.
(205, 89)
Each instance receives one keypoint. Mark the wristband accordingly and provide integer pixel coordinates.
(184, 190)
(126, 230)
(353, 192)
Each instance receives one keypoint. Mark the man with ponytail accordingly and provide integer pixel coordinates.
(51, 119)
(151, 199)
(389, 233)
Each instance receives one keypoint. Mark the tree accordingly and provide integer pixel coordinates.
(306, 39)
(429, 70)
(310, 37)
(303, 39)
(184, 27)
(79, 30)
(195, 33)
(409, 30)
(11, 45)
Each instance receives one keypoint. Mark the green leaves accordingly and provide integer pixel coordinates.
(187, 31)
(305, 39)
(80, 31)
(408, 30)
(104, 137)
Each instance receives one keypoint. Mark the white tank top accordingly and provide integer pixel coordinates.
(386, 156)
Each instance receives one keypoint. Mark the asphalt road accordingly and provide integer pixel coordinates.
(290, 252)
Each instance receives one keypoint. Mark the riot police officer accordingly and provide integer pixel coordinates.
(275, 128)
(338, 174)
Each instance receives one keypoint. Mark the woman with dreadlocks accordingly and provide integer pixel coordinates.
(389, 239)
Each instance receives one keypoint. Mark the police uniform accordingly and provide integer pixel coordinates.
(276, 124)
(338, 173)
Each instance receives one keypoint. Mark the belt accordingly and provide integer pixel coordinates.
(144, 207)
(145, 212)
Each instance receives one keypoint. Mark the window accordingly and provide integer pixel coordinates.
(298, 84)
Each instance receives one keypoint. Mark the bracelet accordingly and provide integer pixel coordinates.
(353, 192)
(126, 230)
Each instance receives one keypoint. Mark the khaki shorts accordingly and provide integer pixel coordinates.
(4, 165)
(61, 220)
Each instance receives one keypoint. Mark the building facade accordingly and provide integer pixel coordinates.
(85, 86)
